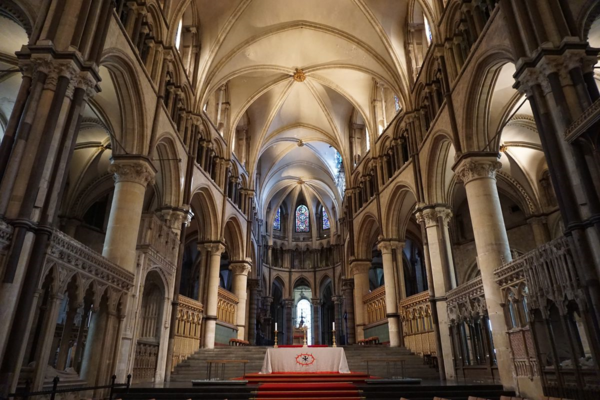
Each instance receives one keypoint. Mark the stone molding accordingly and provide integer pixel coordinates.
(240, 268)
(360, 267)
(475, 168)
(137, 169)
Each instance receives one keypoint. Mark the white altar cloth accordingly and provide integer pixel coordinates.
(305, 359)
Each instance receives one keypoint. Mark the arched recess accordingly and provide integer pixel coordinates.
(20, 15)
(123, 103)
(399, 211)
(204, 221)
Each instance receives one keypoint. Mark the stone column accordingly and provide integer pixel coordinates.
(316, 303)
(360, 272)
(42, 352)
(436, 224)
(287, 320)
(479, 177)
(539, 226)
(337, 304)
(63, 352)
(210, 311)
(348, 290)
(132, 174)
(253, 285)
(391, 304)
(239, 287)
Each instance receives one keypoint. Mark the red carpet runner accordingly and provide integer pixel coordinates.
(318, 390)
(324, 385)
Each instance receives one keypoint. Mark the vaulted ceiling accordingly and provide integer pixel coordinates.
(295, 126)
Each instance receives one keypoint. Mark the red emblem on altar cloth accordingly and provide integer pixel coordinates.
(305, 359)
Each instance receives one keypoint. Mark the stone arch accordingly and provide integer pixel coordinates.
(479, 94)
(234, 239)
(17, 13)
(168, 177)
(440, 159)
(399, 210)
(131, 138)
(302, 281)
(369, 233)
(204, 207)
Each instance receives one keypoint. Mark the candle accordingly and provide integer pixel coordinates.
(275, 326)
(334, 326)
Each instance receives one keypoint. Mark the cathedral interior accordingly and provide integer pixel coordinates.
(180, 175)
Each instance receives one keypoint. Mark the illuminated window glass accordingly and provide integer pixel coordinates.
(325, 220)
(178, 34)
(397, 103)
(277, 221)
(428, 31)
(302, 221)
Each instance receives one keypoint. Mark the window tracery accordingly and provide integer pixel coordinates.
(302, 219)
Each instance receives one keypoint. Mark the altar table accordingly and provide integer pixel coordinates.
(305, 359)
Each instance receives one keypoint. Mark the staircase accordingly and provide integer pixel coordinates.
(195, 366)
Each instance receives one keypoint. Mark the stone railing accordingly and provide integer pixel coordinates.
(69, 257)
(417, 326)
(375, 305)
(156, 235)
(466, 301)
(187, 330)
(227, 306)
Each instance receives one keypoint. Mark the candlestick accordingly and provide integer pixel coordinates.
(275, 344)
(334, 344)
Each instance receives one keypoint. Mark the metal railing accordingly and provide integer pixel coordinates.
(26, 394)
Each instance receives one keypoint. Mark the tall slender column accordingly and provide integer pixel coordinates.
(539, 226)
(348, 290)
(132, 174)
(436, 221)
(64, 347)
(240, 283)
(316, 320)
(338, 301)
(360, 272)
(210, 317)
(44, 347)
(253, 285)
(391, 304)
(479, 177)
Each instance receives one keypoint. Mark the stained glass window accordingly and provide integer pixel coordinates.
(277, 221)
(325, 220)
(397, 103)
(302, 221)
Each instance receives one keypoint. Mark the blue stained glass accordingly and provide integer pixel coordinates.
(277, 221)
(302, 220)
(325, 220)
(338, 160)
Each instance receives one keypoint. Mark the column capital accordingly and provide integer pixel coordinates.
(473, 168)
(240, 267)
(135, 169)
(253, 284)
(347, 284)
(537, 220)
(288, 303)
(359, 267)
(337, 299)
(386, 245)
(315, 301)
(215, 248)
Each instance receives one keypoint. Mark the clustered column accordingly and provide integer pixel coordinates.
(253, 287)
(348, 291)
(479, 177)
(316, 303)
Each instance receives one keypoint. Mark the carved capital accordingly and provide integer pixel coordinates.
(360, 267)
(135, 169)
(475, 168)
(347, 285)
(216, 249)
(240, 268)
(385, 246)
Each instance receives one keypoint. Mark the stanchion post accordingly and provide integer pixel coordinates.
(54, 387)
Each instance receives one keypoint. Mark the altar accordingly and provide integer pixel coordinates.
(305, 359)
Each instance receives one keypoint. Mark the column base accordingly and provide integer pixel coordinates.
(209, 332)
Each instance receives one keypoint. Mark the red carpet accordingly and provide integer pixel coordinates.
(302, 377)
(308, 390)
